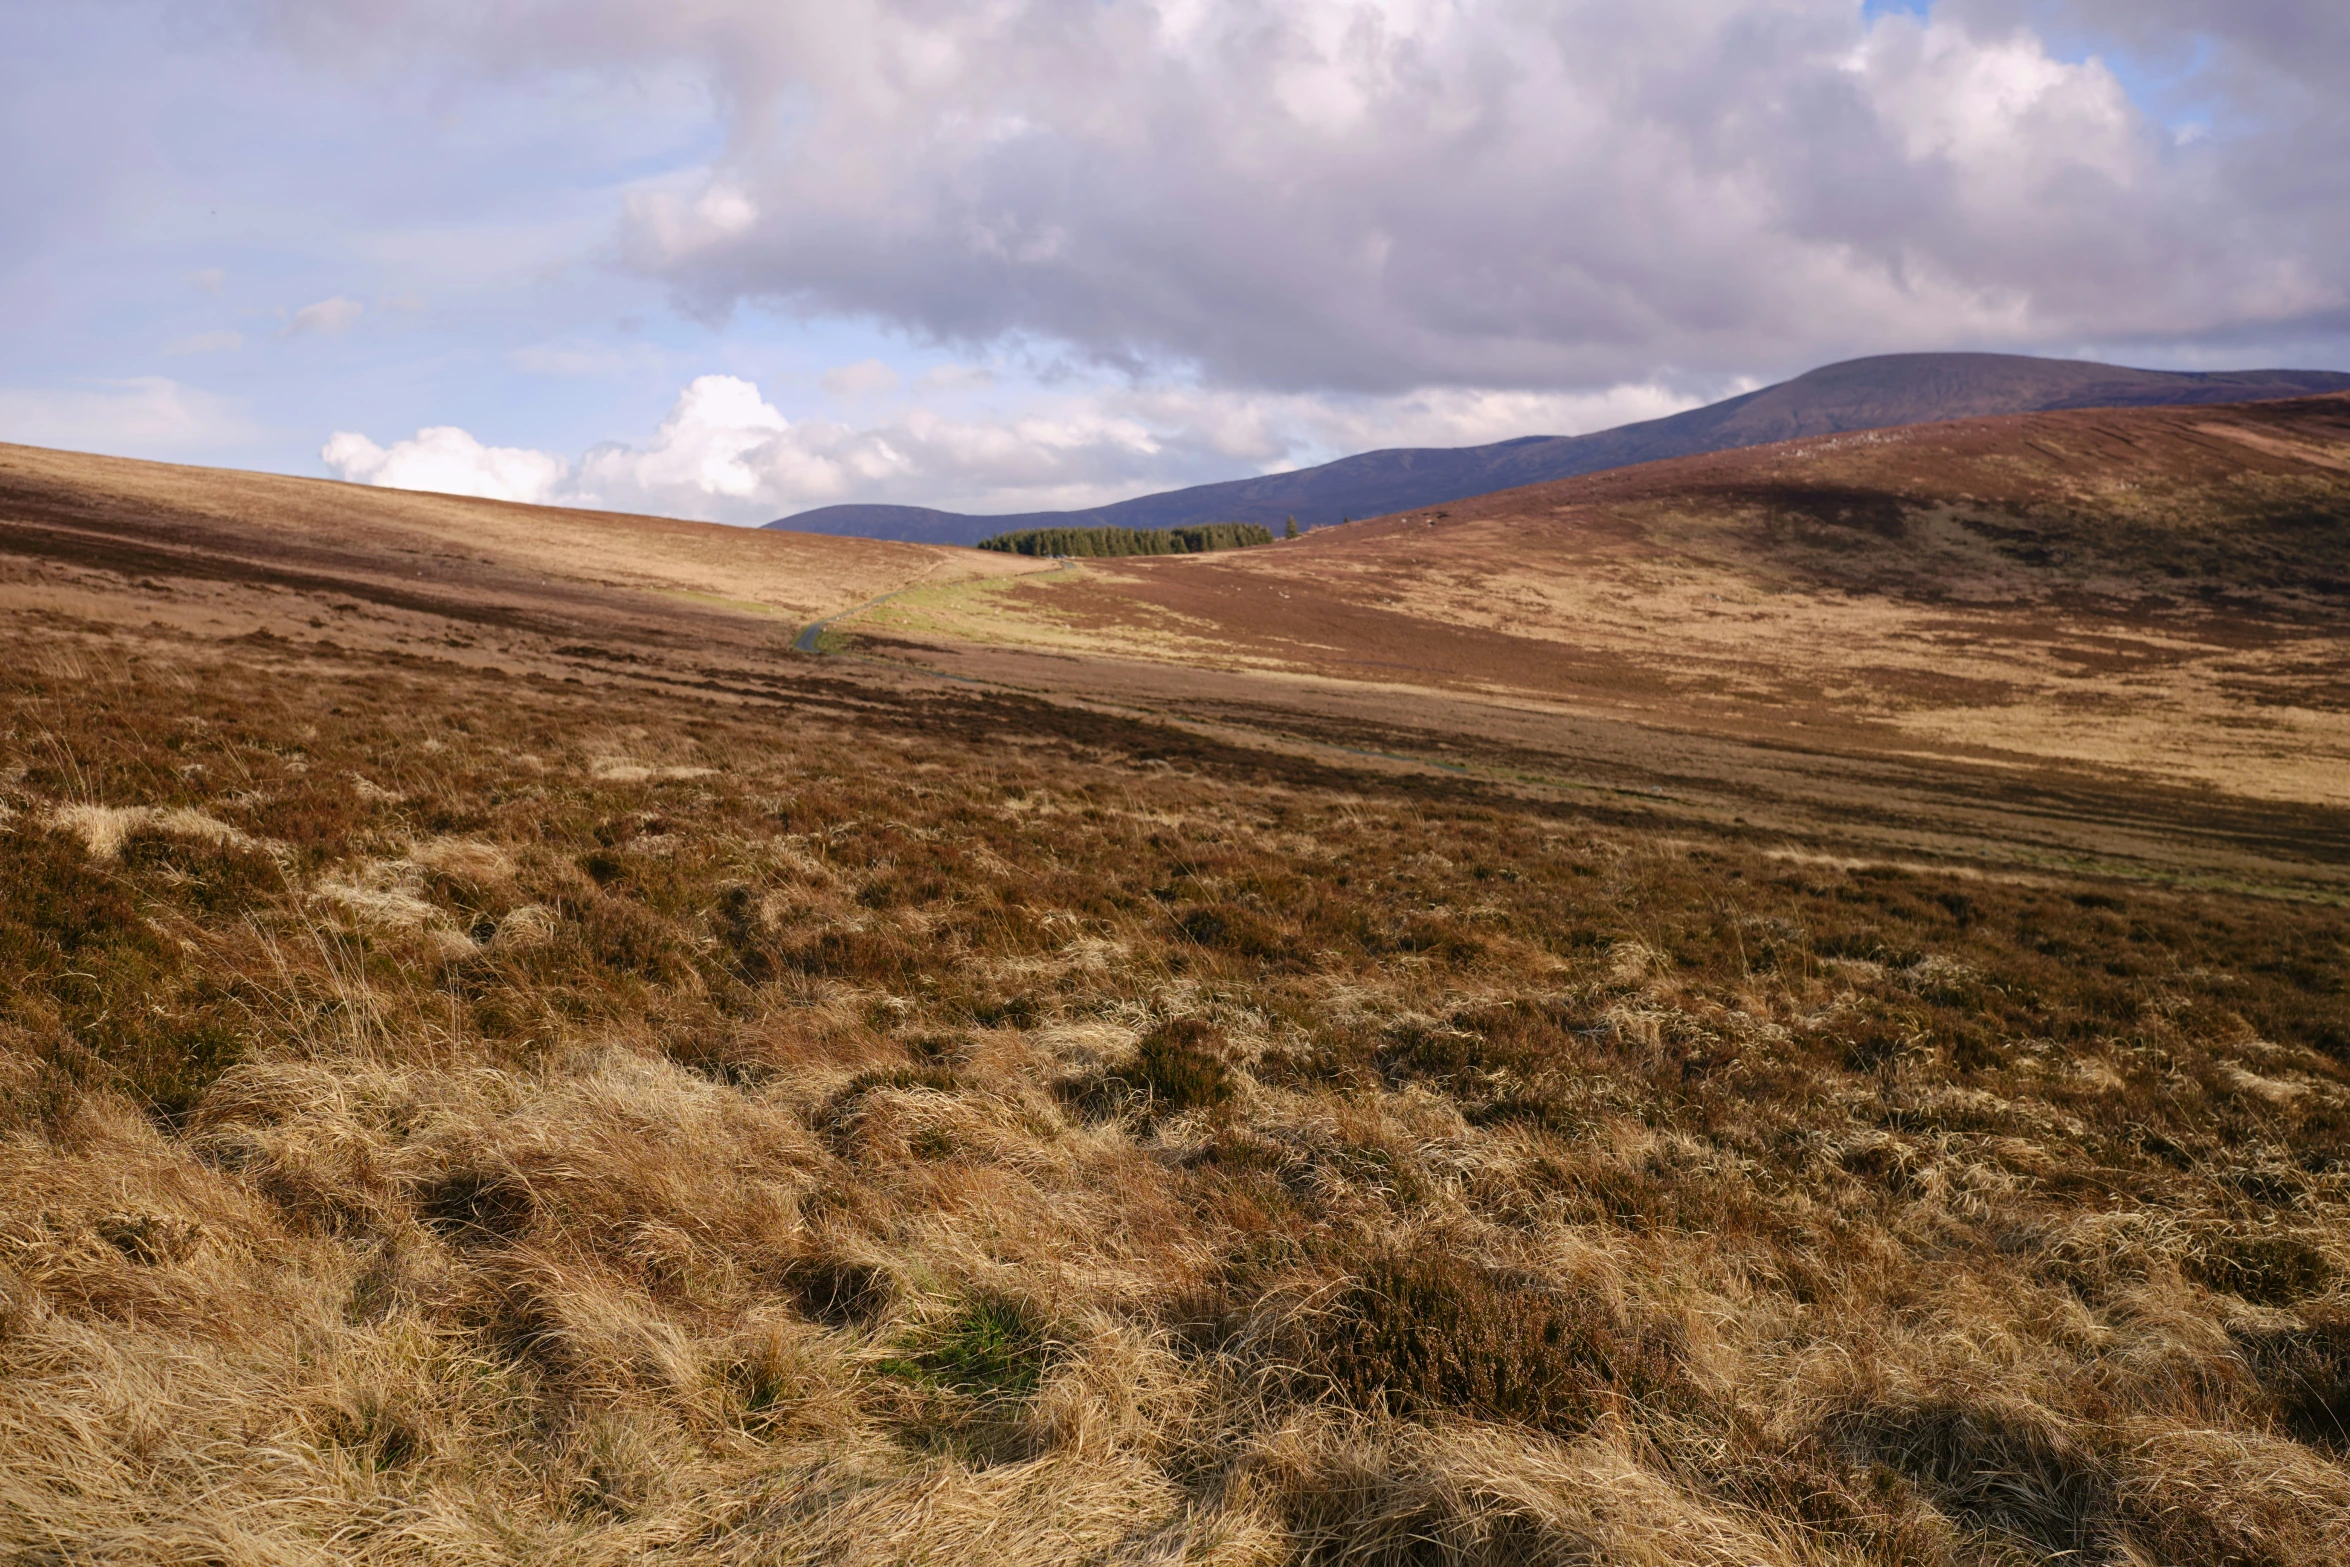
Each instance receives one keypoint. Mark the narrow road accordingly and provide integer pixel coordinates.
(805, 642)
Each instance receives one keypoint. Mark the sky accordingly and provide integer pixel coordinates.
(735, 259)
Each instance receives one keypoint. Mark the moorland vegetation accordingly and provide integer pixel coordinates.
(2124, 594)
(456, 1115)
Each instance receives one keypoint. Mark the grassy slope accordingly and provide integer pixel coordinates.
(484, 563)
(2159, 593)
(477, 1118)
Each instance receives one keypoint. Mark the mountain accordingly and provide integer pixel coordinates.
(1860, 394)
(2162, 591)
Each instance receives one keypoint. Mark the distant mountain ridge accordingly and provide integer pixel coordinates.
(1859, 394)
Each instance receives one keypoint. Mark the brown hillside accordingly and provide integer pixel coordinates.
(397, 568)
(2156, 593)
(505, 1072)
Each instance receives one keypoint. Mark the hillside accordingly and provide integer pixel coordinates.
(2161, 592)
(397, 568)
(1862, 394)
(1463, 1040)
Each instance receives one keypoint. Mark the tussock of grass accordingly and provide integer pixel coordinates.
(1429, 1333)
(1179, 1066)
(965, 1130)
(989, 1349)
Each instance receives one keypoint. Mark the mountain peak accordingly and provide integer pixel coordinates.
(1874, 393)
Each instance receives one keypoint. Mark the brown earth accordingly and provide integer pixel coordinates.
(514, 1071)
(220, 551)
(2106, 641)
(2149, 604)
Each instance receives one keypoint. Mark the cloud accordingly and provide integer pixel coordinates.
(207, 343)
(866, 377)
(702, 455)
(1195, 240)
(135, 416)
(954, 378)
(724, 453)
(209, 280)
(1274, 428)
(1380, 195)
(450, 461)
(326, 318)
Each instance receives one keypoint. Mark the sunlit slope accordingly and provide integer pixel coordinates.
(2164, 591)
(395, 546)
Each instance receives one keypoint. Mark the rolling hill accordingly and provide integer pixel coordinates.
(1777, 1009)
(218, 547)
(1860, 394)
(2163, 592)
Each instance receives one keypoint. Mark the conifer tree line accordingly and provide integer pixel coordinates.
(1130, 541)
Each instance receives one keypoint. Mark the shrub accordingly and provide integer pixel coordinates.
(874, 956)
(164, 1056)
(1428, 1332)
(374, 1430)
(477, 1207)
(2016, 1470)
(1091, 542)
(1178, 1067)
(59, 905)
(2306, 1371)
(627, 938)
(217, 879)
(1020, 1011)
(755, 957)
(1230, 928)
(836, 1291)
(2267, 1270)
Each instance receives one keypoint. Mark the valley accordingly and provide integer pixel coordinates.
(1785, 1007)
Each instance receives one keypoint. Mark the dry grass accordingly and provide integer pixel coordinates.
(454, 1118)
(2148, 594)
(291, 530)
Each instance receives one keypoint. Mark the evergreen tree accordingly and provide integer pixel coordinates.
(1290, 532)
(1085, 543)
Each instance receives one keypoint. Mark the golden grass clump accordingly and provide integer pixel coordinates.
(878, 1127)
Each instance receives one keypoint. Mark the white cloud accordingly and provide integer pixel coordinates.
(727, 454)
(724, 453)
(1219, 238)
(1950, 96)
(450, 461)
(207, 343)
(209, 280)
(1272, 428)
(1381, 195)
(136, 416)
(954, 378)
(326, 318)
(700, 457)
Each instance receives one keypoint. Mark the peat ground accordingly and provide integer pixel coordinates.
(610, 1089)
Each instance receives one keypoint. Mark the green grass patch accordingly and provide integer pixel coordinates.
(992, 1349)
